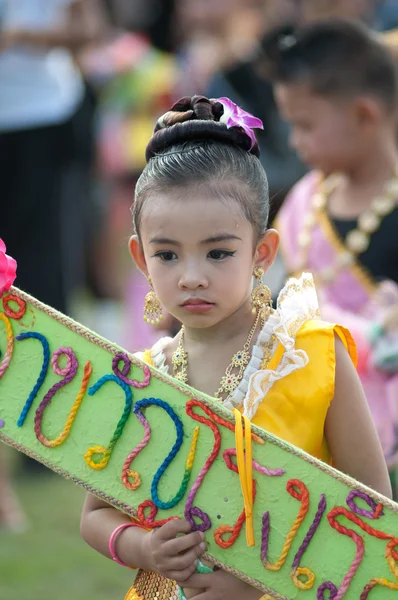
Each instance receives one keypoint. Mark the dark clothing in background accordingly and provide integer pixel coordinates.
(45, 192)
(31, 167)
(383, 244)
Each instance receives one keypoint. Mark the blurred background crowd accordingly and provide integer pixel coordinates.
(82, 83)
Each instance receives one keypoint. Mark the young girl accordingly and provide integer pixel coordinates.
(338, 87)
(200, 217)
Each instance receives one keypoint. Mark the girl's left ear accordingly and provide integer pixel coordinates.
(267, 249)
(137, 253)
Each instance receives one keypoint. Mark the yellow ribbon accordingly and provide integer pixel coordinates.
(245, 470)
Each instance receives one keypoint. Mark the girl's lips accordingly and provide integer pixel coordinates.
(197, 306)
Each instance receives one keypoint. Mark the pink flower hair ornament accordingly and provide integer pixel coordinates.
(8, 269)
(235, 116)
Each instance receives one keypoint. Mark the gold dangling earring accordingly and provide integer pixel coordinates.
(261, 295)
(152, 308)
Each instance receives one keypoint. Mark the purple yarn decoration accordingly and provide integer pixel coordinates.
(73, 366)
(196, 512)
(122, 356)
(193, 511)
(328, 585)
(2, 423)
(362, 512)
(311, 532)
(265, 537)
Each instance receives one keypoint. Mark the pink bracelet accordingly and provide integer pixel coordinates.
(112, 541)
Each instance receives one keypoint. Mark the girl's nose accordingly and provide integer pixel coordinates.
(193, 278)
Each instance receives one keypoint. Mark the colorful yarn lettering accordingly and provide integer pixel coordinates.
(100, 450)
(72, 413)
(32, 322)
(190, 510)
(127, 472)
(303, 496)
(298, 571)
(234, 531)
(376, 510)
(43, 372)
(194, 511)
(12, 314)
(391, 554)
(122, 356)
(10, 345)
(149, 522)
(216, 418)
(68, 373)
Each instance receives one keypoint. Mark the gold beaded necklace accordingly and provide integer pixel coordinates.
(239, 362)
(357, 240)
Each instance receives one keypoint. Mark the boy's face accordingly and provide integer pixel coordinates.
(326, 132)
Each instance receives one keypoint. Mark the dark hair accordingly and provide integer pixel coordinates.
(191, 146)
(335, 57)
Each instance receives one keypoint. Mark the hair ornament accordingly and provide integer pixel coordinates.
(235, 116)
(172, 117)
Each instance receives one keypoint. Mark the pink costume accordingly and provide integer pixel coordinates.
(351, 297)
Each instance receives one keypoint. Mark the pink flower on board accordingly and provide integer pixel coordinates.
(235, 116)
(8, 269)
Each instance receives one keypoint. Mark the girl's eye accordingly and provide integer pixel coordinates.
(167, 256)
(219, 254)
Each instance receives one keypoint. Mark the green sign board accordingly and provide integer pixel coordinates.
(157, 450)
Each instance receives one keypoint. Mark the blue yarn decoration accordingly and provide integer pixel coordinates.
(43, 372)
(126, 388)
(177, 445)
(127, 407)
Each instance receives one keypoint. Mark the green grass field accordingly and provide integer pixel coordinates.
(49, 561)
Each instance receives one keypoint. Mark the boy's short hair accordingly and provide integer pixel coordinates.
(336, 58)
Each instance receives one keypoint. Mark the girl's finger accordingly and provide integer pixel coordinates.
(200, 581)
(182, 576)
(182, 543)
(170, 530)
(184, 561)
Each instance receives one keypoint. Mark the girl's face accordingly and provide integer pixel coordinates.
(199, 252)
(326, 133)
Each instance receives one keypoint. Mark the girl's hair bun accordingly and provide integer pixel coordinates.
(194, 119)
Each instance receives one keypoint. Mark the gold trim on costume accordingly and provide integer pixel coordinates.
(357, 269)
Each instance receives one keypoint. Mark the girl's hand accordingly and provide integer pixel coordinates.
(220, 585)
(171, 556)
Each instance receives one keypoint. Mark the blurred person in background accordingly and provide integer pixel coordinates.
(337, 85)
(135, 78)
(154, 18)
(42, 93)
(241, 76)
(41, 126)
(240, 79)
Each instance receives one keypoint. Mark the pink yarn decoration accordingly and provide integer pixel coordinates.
(8, 268)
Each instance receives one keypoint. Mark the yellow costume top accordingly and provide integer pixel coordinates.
(286, 389)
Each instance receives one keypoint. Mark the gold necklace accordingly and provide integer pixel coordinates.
(357, 240)
(239, 362)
